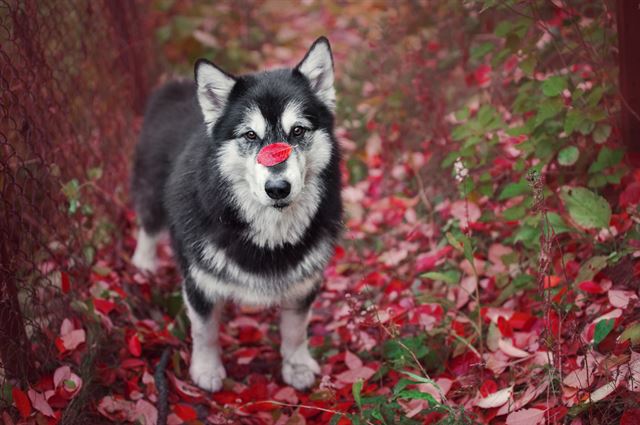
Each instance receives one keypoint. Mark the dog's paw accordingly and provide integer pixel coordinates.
(207, 375)
(144, 262)
(300, 370)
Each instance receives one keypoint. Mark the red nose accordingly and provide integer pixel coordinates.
(274, 154)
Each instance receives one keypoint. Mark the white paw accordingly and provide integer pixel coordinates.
(208, 375)
(145, 256)
(300, 370)
(144, 262)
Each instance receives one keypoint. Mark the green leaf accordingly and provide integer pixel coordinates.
(548, 109)
(94, 173)
(572, 120)
(419, 378)
(481, 50)
(568, 156)
(504, 28)
(451, 276)
(587, 209)
(557, 224)
(460, 132)
(601, 133)
(356, 389)
(418, 395)
(606, 158)
(335, 419)
(553, 86)
(594, 97)
(515, 212)
(454, 242)
(357, 170)
(603, 328)
(591, 268)
(528, 65)
(467, 249)
(395, 349)
(462, 114)
(514, 189)
(72, 189)
(402, 384)
(163, 34)
(631, 333)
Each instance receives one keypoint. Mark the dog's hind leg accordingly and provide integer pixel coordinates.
(206, 370)
(144, 256)
(298, 367)
(146, 190)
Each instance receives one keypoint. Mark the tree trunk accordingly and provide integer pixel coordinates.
(628, 17)
(15, 350)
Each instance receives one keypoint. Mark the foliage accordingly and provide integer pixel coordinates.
(487, 273)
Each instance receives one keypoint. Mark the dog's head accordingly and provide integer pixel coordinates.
(246, 113)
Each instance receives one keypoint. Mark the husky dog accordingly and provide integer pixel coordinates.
(240, 230)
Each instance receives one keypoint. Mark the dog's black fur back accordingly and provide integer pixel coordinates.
(171, 117)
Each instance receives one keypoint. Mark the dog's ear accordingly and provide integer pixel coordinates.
(214, 86)
(317, 67)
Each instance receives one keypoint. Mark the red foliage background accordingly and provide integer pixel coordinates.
(470, 287)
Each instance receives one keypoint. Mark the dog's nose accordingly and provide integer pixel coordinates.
(277, 189)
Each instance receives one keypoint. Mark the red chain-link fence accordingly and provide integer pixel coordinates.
(73, 78)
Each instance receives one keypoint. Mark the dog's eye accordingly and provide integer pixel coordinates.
(251, 135)
(297, 131)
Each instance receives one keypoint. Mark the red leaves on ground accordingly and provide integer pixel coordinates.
(135, 348)
(630, 417)
(591, 287)
(103, 306)
(186, 413)
(21, 401)
(274, 154)
(65, 282)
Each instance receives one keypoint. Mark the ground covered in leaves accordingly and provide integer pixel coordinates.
(488, 272)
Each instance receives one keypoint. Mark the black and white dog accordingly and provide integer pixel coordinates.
(243, 231)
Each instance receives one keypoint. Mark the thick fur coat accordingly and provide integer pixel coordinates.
(240, 230)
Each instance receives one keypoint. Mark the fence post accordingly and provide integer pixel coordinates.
(628, 17)
(15, 349)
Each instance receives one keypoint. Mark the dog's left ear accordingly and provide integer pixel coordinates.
(317, 67)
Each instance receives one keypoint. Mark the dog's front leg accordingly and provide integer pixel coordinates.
(207, 370)
(298, 367)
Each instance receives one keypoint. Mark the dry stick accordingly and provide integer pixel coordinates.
(163, 389)
(477, 289)
(421, 192)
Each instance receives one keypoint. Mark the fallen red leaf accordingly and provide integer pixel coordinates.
(186, 413)
(489, 386)
(551, 281)
(22, 402)
(591, 287)
(630, 417)
(103, 306)
(135, 348)
(274, 154)
(505, 327)
(65, 283)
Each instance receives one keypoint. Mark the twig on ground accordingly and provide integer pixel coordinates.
(163, 389)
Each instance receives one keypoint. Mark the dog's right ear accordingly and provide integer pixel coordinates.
(214, 86)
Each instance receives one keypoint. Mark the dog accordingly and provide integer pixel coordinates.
(241, 230)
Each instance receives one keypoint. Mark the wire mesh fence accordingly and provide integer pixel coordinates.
(73, 79)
